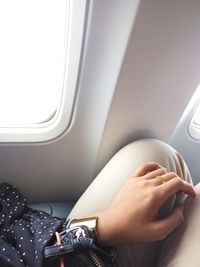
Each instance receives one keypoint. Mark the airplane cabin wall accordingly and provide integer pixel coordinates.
(158, 77)
(62, 168)
(140, 66)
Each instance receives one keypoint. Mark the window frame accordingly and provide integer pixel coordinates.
(193, 128)
(60, 122)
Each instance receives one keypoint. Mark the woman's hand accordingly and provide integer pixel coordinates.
(132, 216)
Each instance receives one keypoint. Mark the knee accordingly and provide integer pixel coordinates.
(150, 144)
(149, 149)
(153, 150)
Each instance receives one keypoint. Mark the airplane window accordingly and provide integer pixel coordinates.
(40, 48)
(32, 60)
(196, 119)
(194, 109)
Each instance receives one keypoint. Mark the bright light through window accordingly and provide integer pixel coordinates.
(32, 54)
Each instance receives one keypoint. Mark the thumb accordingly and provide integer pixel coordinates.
(170, 223)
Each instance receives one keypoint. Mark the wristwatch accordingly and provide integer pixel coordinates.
(78, 245)
(78, 235)
(89, 222)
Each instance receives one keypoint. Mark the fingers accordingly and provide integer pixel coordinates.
(145, 168)
(164, 227)
(173, 186)
(172, 183)
(166, 177)
(153, 174)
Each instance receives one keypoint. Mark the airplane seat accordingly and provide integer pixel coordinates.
(56, 209)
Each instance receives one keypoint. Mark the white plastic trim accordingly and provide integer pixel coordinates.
(61, 120)
(194, 109)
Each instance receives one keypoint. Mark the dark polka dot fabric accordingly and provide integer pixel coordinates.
(24, 232)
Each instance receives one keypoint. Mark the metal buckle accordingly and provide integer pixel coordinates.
(80, 233)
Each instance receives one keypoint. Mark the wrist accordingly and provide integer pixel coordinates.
(105, 229)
